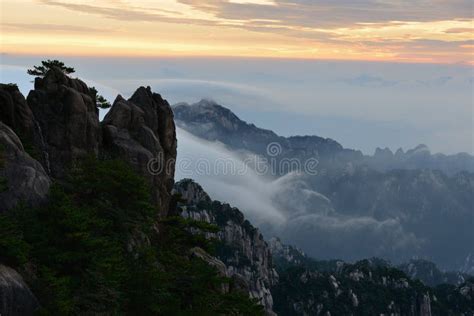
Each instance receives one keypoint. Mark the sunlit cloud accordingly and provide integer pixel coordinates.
(359, 30)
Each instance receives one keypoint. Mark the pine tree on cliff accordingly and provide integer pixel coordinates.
(46, 65)
(100, 101)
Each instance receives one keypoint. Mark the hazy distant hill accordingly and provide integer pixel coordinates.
(212, 121)
(394, 206)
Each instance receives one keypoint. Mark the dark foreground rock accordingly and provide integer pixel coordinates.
(22, 179)
(15, 296)
(68, 119)
(142, 132)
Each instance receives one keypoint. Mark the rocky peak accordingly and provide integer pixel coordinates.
(284, 254)
(14, 111)
(67, 119)
(420, 149)
(399, 152)
(141, 130)
(209, 112)
(191, 192)
(211, 121)
(55, 78)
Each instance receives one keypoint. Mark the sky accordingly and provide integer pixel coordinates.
(367, 73)
(362, 105)
(436, 31)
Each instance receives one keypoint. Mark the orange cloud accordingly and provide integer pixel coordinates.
(262, 28)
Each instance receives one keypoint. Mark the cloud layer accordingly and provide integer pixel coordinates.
(421, 30)
(287, 208)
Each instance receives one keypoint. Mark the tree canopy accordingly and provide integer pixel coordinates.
(46, 65)
(100, 101)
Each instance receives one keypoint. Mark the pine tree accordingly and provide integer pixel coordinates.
(46, 65)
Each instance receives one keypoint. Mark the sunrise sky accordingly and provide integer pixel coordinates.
(436, 31)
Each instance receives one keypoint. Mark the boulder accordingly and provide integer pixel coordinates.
(22, 179)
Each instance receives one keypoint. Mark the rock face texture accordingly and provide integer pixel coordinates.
(59, 125)
(67, 117)
(21, 177)
(14, 111)
(141, 131)
(242, 249)
(15, 296)
(59, 122)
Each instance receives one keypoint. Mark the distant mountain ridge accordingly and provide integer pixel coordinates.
(214, 122)
(392, 205)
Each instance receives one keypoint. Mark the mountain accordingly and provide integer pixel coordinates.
(288, 282)
(396, 206)
(429, 274)
(88, 224)
(213, 122)
(208, 120)
(368, 287)
(92, 222)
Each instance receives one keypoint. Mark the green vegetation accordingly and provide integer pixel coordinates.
(100, 101)
(375, 283)
(12, 86)
(3, 184)
(46, 65)
(95, 249)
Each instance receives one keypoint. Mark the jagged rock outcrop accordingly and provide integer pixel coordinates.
(15, 296)
(67, 117)
(286, 255)
(430, 274)
(242, 249)
(141, 131)
(22, 179)
(15, 112)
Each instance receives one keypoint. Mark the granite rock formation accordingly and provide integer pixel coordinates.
(22, 178)
(142, 132)
(242, 249)
(67, 116)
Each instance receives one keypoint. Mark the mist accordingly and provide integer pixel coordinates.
(362, 105)
(285, 207)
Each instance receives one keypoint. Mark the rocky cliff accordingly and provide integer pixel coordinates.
(241, 247)
(44, 137)
(67, 117)
(141, 131)
(59, 122)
